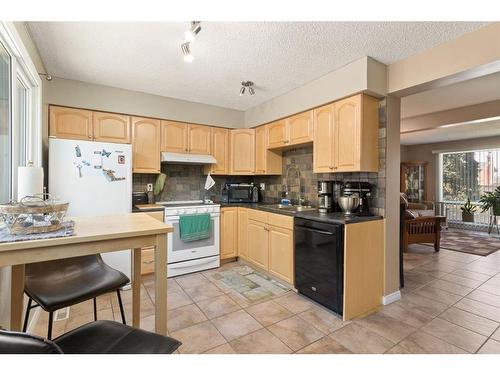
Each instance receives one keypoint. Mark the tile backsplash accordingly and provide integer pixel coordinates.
(186, 182)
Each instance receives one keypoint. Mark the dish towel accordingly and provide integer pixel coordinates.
(209, 183)
(194, 227)
(159, 183)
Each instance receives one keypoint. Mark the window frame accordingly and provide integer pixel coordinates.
(22, 68)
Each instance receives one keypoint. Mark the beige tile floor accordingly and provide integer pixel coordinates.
(450, 304)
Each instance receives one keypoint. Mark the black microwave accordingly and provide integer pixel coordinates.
(240, 193)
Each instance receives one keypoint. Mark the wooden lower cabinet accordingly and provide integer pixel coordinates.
(258, 243)
(243, 233)
(229, 233)
(281, 253)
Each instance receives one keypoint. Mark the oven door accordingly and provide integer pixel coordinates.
(179, 251)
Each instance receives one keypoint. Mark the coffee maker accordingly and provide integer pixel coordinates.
(363, 191)
(328, 193)
(325, 197)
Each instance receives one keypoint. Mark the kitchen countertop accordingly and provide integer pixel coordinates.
(147, 208)
(332, 217)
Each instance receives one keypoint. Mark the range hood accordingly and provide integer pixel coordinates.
(178, 158)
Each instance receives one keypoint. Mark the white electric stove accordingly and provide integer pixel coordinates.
(186, 257)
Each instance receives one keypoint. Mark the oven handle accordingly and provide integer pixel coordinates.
(315, 230)
(196, 262)
(175, 218)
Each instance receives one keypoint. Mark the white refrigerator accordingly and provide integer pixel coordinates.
(96, 179)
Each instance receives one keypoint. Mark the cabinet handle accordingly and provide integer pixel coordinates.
(148, 262)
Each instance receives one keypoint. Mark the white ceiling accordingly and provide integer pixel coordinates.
(469, 130)
(473, 91)
(277, 56)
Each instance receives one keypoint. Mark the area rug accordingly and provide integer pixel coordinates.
(469, 242)
(251, 285)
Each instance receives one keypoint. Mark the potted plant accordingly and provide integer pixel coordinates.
(491, 200)
(468, 210)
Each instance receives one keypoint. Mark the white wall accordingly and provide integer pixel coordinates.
(105, 98)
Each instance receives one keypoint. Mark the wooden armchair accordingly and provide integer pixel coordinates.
(424, 229)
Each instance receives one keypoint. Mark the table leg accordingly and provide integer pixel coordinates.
(136, 287)
(161, 284)
(16, 297)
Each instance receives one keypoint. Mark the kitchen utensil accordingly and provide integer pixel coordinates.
(349, 204)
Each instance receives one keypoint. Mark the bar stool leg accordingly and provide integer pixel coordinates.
(51, 318)
(95, 309)
(121, 306)
(27, 315)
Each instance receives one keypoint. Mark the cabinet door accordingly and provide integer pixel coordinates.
(267, 162)
(323, 139)
(145, 145)
(281, 253)
(147, 260)
(243, 232)
(111, 127)
(258, 244)
(347, 134)
(220, 151)
(260, 150)
(300, 128)
(229, 232)
(174, 136)
(199, 139)
(242, 146)
(70, 123)
(276, 134)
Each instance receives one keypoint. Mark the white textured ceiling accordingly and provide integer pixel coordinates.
(473, 91)
(277, 56)
(468, 130)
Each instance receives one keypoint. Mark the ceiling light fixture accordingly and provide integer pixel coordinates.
(186, 52)
(245, 85)
(190, 34)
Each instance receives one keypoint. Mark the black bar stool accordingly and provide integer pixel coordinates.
(100, 337)
(57, 284)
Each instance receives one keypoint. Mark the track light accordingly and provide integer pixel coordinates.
(245, 85)
(190, 34)
(48, 77)
(188, 57)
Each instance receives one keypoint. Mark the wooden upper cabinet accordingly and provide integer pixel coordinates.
(70, 123)
(346, 136)
(220, 151)
(267, 162)
(300, 128)
(323, 139)
(242, 151)
(174, 136)
(199, 139)
(145, 145)
(276, 134)
(111, 127)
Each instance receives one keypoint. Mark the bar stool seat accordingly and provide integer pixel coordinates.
(58, 284)
(99, 337)
(108, 337)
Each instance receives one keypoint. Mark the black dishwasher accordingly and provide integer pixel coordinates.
(319, 262)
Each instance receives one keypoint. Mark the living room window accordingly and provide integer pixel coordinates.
(468, 174)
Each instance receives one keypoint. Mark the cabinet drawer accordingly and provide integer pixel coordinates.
(282, 221)
(147, 260)
(257, 215)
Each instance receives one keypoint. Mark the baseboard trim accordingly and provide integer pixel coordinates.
(390, 298)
